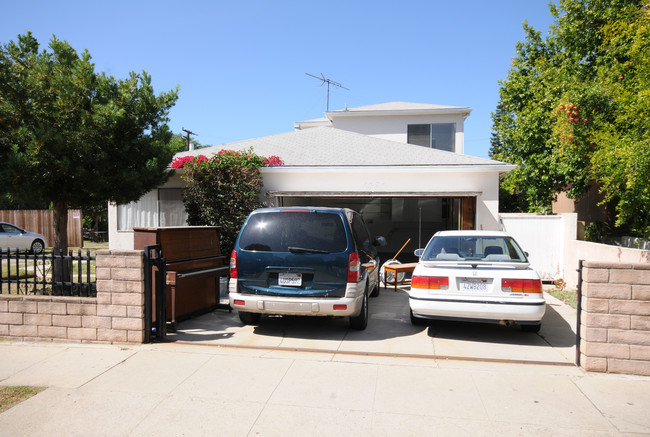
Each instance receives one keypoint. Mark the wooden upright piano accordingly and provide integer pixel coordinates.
(194, 265)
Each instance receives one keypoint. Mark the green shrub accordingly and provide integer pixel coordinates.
(596, 232)
(223, 190)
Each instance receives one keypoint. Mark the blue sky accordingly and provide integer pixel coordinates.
(241, 64)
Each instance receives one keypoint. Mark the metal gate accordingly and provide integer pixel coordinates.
(155, 301)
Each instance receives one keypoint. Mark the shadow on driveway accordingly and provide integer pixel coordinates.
(389, 331)
(495, 333)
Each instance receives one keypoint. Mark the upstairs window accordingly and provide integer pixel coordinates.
(439, 136)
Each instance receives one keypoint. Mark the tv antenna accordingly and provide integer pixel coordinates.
(329, 82)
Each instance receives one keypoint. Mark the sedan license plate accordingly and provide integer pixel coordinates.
(290, 279)
(474, 285)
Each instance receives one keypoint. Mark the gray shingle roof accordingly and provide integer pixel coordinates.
(326, 146)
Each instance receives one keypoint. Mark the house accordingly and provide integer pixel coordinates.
(436, 126)
(401, 165)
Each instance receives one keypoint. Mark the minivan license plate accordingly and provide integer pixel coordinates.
(290, 279)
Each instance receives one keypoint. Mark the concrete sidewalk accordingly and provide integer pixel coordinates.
(280, 384)
(172, 389)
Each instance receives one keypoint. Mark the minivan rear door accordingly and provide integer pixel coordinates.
(294, 252)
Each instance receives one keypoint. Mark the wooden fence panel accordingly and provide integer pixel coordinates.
(42, 221)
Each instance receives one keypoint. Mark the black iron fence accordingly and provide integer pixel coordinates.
(55, 274)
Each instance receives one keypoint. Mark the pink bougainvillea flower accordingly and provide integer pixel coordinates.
(182, 160)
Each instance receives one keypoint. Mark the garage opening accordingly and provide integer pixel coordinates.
(400, 218)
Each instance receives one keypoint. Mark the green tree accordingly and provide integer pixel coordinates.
(223, 190)
(571, 110)
(71, 136)
(621, 156)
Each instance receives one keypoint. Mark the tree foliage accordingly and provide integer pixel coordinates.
(573, 109)
(223, 190)
(71, 136)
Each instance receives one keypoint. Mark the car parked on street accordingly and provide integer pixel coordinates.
(13, 237)
(476, 276)
(309, 261)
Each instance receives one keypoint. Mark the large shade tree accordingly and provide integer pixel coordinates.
(72, 136)
(573, 110)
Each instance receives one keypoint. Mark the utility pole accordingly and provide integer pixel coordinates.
(187, 137)
(329, 82)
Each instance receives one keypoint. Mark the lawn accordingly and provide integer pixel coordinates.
(13, 395)
(569, 297)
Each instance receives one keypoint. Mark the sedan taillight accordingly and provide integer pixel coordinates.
(521, 285)
(430, 282)
(233, 265)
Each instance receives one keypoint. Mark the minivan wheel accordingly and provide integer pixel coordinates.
(249, 318)
(375, 291)
(360, 322)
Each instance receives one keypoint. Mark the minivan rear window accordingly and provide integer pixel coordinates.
(294, 231)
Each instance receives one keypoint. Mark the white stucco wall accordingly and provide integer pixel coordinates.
(395, 128)
(544, 237)
(398, 181)
(554, 250)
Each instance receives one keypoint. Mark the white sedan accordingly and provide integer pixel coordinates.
(13, 237)
(476, 276)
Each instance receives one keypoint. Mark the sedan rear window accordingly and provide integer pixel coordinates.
(291, 231)
(473, 248)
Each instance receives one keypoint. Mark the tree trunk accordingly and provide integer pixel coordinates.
(60, 269)
(61, 226)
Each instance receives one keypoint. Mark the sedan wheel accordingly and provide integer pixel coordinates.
(531, 328)
(417, 321)
(37, 247)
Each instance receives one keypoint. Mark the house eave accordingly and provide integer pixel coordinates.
(465, 111)
(388, 194)
(445, 168)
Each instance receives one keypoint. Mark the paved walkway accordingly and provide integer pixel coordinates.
(280, 385)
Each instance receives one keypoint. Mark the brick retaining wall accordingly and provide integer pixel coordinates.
(615, 318)
(115, 315)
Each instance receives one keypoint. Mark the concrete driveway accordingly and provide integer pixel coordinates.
(391, 334)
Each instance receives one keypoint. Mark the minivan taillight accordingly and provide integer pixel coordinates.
(521, 285)
(233, 265)
(353, 267)
(430, 282)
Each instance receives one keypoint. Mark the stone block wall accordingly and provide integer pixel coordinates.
(115, 315)
(615, 318)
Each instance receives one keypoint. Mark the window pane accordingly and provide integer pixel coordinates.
(442, 136)
(419, 134)
(142, 213)
(172, 209)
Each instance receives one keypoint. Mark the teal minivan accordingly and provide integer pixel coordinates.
(308, 261)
